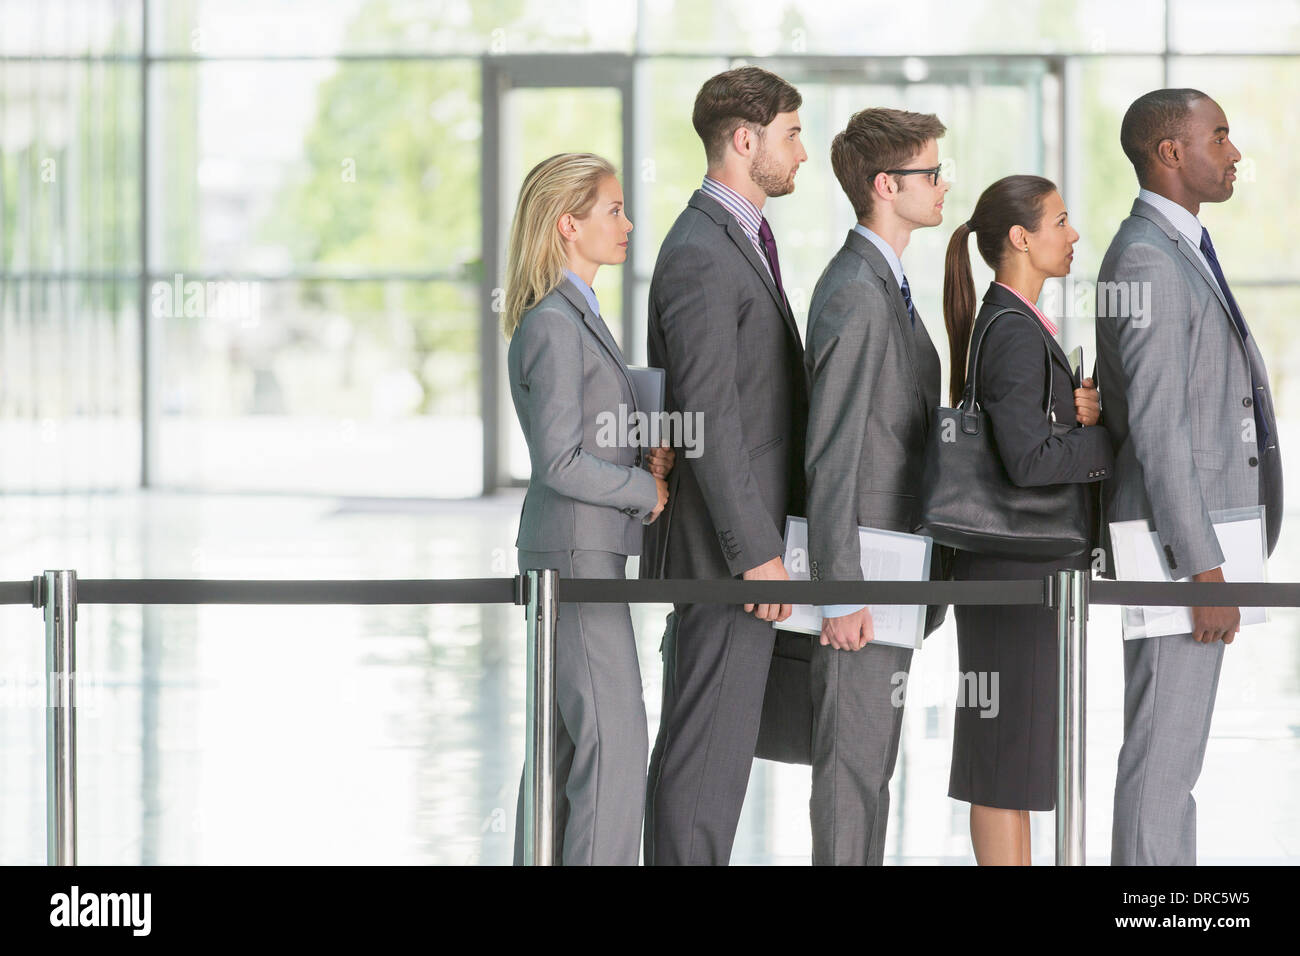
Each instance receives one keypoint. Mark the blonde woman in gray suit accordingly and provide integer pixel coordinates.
(586, 502)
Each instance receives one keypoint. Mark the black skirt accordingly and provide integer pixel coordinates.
(1004, 734)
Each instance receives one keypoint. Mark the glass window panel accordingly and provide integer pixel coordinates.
(69, 384)
(69, 167)
(69, 27)
(1210, 26)
(352, 166)
(357, 388)
(740, 27)
(309, 27)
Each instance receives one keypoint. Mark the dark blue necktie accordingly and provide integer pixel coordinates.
(1207, 250)
(907, 298)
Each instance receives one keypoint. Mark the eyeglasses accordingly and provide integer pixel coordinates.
(932, 173)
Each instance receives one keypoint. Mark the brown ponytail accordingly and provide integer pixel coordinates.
(1011, 201)
(958, 309)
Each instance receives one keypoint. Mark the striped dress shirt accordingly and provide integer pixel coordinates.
(746, 214)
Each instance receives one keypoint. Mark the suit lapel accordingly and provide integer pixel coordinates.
(1149, 212)
(1190, 255)
(1008, 300)
(865, 248)
(711, 207)
(599, 329)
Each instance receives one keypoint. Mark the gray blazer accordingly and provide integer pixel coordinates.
(732, 356)
(565, 371)
(1175, 382)
(875, 380)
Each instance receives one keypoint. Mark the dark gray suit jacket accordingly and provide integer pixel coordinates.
(875, 381)
(567, 379)
(1175, 380)
(1012, 391)
(732, 354)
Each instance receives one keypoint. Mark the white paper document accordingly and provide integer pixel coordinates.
(886, 556)
(1139, 556)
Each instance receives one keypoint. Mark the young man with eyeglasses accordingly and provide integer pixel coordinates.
(875, 378)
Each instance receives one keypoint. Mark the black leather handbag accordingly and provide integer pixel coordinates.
(969, 502)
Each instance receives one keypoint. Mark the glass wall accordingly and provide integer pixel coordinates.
(300, 296)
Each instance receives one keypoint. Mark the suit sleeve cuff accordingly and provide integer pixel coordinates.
(839, 610)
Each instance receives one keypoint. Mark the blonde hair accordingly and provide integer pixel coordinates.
(536, 258)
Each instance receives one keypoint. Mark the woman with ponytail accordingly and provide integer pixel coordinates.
(1004, 752)
(588, 496)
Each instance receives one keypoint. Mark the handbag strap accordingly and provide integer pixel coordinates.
(970, 401)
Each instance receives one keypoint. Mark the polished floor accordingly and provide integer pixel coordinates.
(395, 734)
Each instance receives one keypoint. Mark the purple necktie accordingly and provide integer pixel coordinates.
(769, 247)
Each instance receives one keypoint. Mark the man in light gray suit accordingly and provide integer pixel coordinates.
(875, 378)
(1186, 399)
(720, 326)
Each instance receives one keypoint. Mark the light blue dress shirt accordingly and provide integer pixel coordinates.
(886, 250)
(586, 290)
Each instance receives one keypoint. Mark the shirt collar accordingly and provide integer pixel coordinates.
(1047, 323)
(886, 250)
(586, 290)
(745, 212)
(1182, 219)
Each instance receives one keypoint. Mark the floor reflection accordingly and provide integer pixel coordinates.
(395, 734)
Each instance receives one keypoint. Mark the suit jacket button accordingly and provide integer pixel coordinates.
(1253, 461)
(1247, 402)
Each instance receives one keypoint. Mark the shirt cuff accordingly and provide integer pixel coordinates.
(839, 610)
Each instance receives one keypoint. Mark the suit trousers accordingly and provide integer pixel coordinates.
(601, 738)
(716, 659)
(857, 717)
(1169, 688)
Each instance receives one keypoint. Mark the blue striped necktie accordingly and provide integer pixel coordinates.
(907, 297)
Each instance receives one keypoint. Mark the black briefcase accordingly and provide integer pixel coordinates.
(786, 728)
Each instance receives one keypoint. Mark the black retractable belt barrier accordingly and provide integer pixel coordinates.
(59, 593)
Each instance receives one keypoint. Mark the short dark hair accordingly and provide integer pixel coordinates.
(747, 95)
(1153, 118)
(877, 139)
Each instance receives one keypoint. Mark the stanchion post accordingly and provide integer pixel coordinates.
(539, 753)
(60, 597)
(1072, 664)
